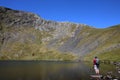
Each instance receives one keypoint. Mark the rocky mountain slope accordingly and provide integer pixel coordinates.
(24, 35)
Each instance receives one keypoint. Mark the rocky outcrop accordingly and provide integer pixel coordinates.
(70, 37)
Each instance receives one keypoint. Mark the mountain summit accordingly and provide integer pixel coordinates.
(25, 35)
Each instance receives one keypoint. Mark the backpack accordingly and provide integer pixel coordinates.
(97, 61)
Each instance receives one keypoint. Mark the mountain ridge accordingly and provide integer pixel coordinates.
(24, 28)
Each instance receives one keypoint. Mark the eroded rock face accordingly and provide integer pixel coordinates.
(17, 18)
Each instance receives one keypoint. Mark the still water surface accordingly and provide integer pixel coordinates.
(44, 70)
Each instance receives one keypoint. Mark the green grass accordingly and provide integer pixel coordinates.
(109, 36)
(29, 46)
(26, 51)
(113, 55)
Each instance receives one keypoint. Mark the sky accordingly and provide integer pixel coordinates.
(96, 13)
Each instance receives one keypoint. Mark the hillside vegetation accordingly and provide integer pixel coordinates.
(26, 36)
(25, 44)
(110, 49)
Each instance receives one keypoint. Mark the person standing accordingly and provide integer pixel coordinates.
(96, 64)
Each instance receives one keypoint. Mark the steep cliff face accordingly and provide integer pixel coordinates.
(23, 34)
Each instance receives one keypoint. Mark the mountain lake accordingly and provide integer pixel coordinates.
(50, 70)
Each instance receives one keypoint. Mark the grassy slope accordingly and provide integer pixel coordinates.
(29, 46)
(107, 50)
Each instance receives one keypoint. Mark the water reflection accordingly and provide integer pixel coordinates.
(41, 70)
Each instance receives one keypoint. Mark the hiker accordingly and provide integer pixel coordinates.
(96, 65)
